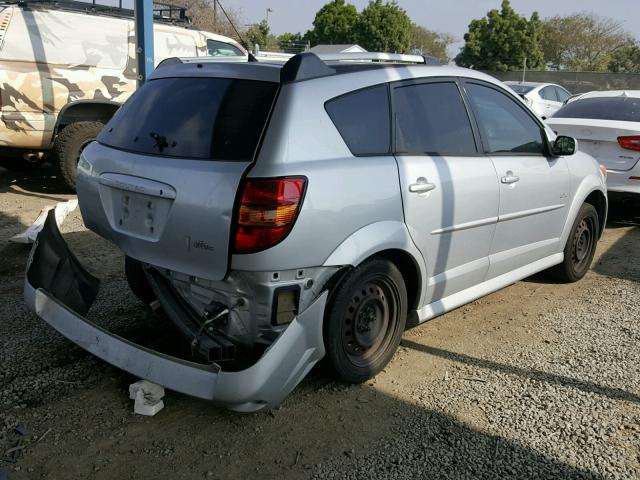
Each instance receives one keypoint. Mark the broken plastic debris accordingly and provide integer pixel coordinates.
(148, 397)
(62, 209)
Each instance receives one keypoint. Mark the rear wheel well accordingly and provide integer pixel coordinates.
(410, 273)
(599, 202)
(86, 112)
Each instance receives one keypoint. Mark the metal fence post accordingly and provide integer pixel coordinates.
(143, 10)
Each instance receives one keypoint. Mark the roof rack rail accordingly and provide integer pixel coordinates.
(371, 57)
(163, 12)
(308, 65)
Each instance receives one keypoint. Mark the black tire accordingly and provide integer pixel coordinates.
(365, 319)
(580, 247)
(69, 145)
(137, 280)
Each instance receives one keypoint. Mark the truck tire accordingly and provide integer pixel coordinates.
(365, 320)
(69, 145)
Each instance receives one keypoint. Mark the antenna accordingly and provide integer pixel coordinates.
(242, 40)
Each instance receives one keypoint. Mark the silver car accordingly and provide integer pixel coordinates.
(280, 214)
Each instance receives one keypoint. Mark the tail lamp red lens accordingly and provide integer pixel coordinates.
(268, 210)
(631, 142)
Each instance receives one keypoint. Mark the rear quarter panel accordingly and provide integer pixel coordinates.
(344, 193)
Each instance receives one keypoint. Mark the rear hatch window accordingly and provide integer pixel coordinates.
(626, 109)
(193, 118)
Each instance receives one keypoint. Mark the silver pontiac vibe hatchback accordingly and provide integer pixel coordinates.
(282, 213)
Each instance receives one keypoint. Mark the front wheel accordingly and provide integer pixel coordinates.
(580, 247)
(365, 320)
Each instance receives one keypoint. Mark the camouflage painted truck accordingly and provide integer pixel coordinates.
(65, 71)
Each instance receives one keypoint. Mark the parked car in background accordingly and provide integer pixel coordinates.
(64, 73)
(543, 98)
(607, 126)
(309, 209)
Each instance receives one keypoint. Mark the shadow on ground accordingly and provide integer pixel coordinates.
(41, 182)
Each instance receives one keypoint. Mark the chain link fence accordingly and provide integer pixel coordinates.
(577, 82)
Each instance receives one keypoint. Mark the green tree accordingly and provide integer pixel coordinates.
(502, 41)
(582, 42)
(333, 23)
(431, 43)
(258, 33)
(291, 42)
(384, 27)
(626, 59)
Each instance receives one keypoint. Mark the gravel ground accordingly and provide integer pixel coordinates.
(573, 403)
(539, 380)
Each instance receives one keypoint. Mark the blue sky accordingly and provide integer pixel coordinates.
(452, 16)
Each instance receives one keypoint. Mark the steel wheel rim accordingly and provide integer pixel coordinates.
(370, 320)
(583, 241)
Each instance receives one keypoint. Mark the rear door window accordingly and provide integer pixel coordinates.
(362, 118)
(626, 109)
(201, 118)
(431, 119)
(505, 126)
(549, 93)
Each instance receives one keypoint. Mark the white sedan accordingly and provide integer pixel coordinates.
(543, 98)
(607, 126)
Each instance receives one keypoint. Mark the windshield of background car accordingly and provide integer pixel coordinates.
(626, 109)
(199, 118)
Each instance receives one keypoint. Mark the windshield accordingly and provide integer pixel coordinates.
(520, 89)
(626, 109)
(200, 118)
(215, 48)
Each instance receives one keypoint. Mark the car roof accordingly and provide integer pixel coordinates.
(610, 93)
(358, 72)
(526, 84)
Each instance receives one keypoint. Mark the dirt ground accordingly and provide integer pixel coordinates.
(80, 418)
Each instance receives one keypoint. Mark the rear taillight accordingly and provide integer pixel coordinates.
(268, 210)
(631, 142)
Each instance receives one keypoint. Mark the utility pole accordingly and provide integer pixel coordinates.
(215, 12)
(143, 19)
(269, 10)
(524, 70)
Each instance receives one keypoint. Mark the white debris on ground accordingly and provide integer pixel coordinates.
(148, 397)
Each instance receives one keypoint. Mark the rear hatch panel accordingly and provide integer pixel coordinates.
(161, 180)
(180, 219)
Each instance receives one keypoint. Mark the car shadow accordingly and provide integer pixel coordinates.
(40, 182)
(614, 262)
(531, 374)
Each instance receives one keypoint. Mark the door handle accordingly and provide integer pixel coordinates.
(421, 186)
(510, 178)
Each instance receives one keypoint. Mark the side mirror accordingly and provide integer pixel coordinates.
(563, 146)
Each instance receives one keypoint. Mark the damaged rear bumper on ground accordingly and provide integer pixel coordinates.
(60, 291)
